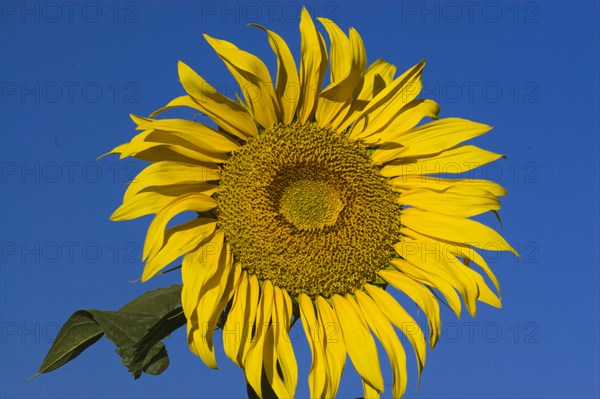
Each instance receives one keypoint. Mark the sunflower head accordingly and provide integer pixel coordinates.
(305, 208)
(311, 202)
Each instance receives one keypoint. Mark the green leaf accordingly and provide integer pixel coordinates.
(77, 334)
(136, 329)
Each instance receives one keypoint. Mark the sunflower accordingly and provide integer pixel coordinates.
(309, 203)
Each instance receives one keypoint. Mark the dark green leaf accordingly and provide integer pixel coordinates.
(137, 329)
(77, 334)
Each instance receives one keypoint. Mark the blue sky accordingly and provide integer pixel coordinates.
(71, 72)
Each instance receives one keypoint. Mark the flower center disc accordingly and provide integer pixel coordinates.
(309, 204)
(305, 208)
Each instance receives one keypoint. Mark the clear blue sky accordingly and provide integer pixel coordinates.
(71, 72)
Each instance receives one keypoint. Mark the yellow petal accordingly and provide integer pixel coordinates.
(184, 149)
(253, 77)
(377, 77)
(409, 182)
(197, 267)
(137, 144)
(369, 392)
(232, 330)
(438, 135)
(335, 349)
(228, 114)
(470, 254)
(317, 376)
(181, 101)
(388, 338)
(359, 53)
(313, 63)
(427, 139)
(253, 363)
(462, 201)
(188, 202)
(278, 350)
(347, 55)
(270, 362)
(215, 293)
(340, 53)
(203, 319)
(288, 82)
(167, 173)
(429, 256)
(347, 64)
(334, 101)
(154, 199)
(462, 250)
(408, 117)
(250, 313)
(198, 135)
(486, 295)
(454, 229)
(155, 146)
(386, 106)
(421, 296)
(432, 279)
(359, 342)
(455, 160)
(285, 351)
(159, 152)
(479, 289)
(178, 241)
(401, 319)
(379, 74)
